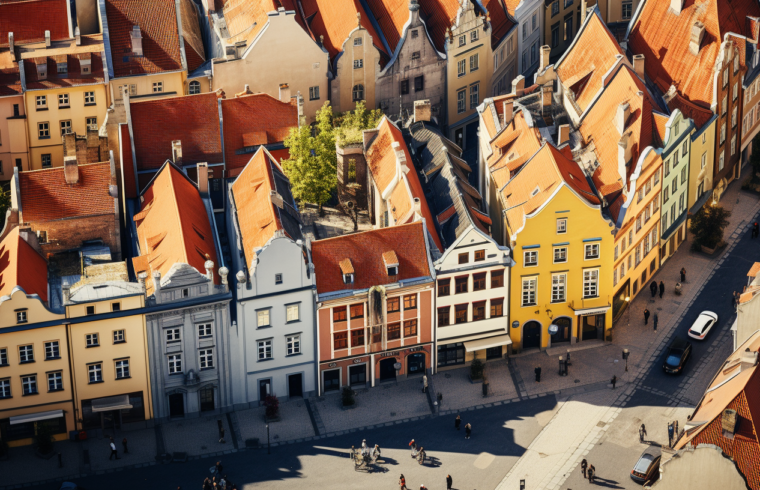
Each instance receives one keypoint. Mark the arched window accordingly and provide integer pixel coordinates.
(358, 92)
(195, 87)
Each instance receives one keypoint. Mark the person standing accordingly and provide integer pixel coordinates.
(613, 381)
(467, 430)
(449, 482)
(424, 383)
(591, 473)
(218, 468)
(655, 320)
(642, 433)
(537, 371)
(221, 435)
(653, 288)
(646, 316)
(124, 445)
(755, 230)
(662, 289)
(114, 454)
(457, 422)
(683, 274)
(206, 484)
(402, 482)
(670, 434)
(584, 465)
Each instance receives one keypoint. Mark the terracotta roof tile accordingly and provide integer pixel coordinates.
(391, 15)
(515, 144)
(194, 120)
(10, 77)
(593, 53)
(663, 36)
(28, 21)
(700, 115)
(246, 18)
(501, 20)
(346, 267)
(74, 62)
(45, 195)
(754, 270)
(335, 19)
(446, 214)
(16, 254)
(176, 228)
(253, 120)
(365, 250)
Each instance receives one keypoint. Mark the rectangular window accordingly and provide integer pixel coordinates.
(394, 331)
(461, 284)
(419, 83)
(474, 62)
(410, 302)
(339, 314)
(172, 335)
(474, 95)
(478, 311)
(735, 92)
(5, 388)
(568, 28)
(591, 283)
(460, 313)
(404, 87)
(555, 8)
(95, 372)
(560, 255)
(444, 288)
(656, 177)
(497, 308)
(293, 343)
(265, 349)
(559, 288)
(43, 130)
(415, 55)
(92, 123)
(721, 161)
(91, 340)
(89, 97)
(204, 330)
(158, 87)
(444, 316)
(51, 350)
(525, 31)
(461, 68)
(41, 102)
(627, 9)
(534, 53)
(674, 186)
(357, 41)
(464, 258)
(479, 281)
(55, 381)
(592, 251)
(122, 368)
(683, 175)
(555, 29)
(561, 226)
(291, 313)
(497, 279)
(410, 328)
(473, 35)
(529, 291)
(357, 311)
(393, 304)
(29, 385)
(461, 102)
(530, 258)
(175, 364)
(480, 255)
(314, 93)
(415, 33)
(3, 357)
(118, 336)
(63, 100)
(359, 63)
(340, 340)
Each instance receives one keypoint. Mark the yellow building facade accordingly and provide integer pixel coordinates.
(701, 162)
(35, 386)
(14, 148)
(109, 351)
(356, 68)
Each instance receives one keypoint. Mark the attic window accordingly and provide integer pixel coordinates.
(85, 68)
(535, 191)
(415, 33)
(391, 262)
(62, 67)
(348, 278)
(393, 271)
(347, 268)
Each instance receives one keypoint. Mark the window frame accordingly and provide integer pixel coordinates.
(174, 363)
(591, 283)
(31, 381)
(588, 251)
(96, 369)
(289, 309)
(264, 347)
(292, 344)
(561, 249)
(527, 254)
(206, 358)
(121, 369)
(532, 289)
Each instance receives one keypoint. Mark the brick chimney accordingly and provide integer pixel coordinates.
(136, 39)
(697, 34)
(563, 135)
(638, 65)
(47, 39)
(78, 36)
(70, 170)
(421, 110)
(202, 171)
(545, 51)
(177, 152)
(518, 85)
(285, 93)
(621, 116)
(508, 106)
(12, 46)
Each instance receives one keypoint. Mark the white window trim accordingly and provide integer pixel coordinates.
(525, 262)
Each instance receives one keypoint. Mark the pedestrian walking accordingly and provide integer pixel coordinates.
(642, 433)
(423, 487)
(655, 320)
(221, 435)
(755, 230)
(424, 383)
(218, 468)
(457, 422)
(613, 381)
(646, 316)
(584, 465)
(206, 484)
(124, 445)
(683, 274)
(670, 434)
(538, 374)
(402, 482)
(662, 289)
(653, 288)
(449, 482)
(467, 430)
(591, 473)
(114, 454)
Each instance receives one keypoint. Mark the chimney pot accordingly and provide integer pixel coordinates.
(70, 170)
(545, 52)
(638, 65)
(564, 134)
(421, 110)
(584, 7)
(202, 171)
(284, 93)
(697, 34)
(47, 39)
(508, 106)
(621, 116)
(676, 6)
(136, 38)
(177, 152)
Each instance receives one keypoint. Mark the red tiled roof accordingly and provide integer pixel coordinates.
(511, 148)
(663, 36)
(335, 19)
(501, 22)
(45, 195)
(391, 15)
(28, 21)
(173, 227)
(591, 56)
(73, 76)
(160, 36)
(365, 250)
(193, 119)
(246, 18)
(700, 115)
(10, 77)
(16, 254)
(253, 120)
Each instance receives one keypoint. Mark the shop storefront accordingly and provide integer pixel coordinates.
(113, 411)
(20, 430)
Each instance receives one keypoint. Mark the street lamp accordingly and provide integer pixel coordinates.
(561, 371)
(268, 440)
(625, 356)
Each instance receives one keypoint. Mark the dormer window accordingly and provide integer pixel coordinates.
(62, 67)
(42, 70)
(85, 66)
(535, 191)
(347, 268)
(391, 262)
(393, 271)
(348, 278)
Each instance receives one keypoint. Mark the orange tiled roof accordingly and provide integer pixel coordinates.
(392, 15)
(28, 21)
(45, 195)
(381, 161)
(365, 250)
(335, 19)
(173, 227)
(537, 180)
(10, 77)
(598, 126)
(663, 38)
(253, 120)
(91, 49)
(660, 120)
(346, 267)
(700, 115)
(501, 20)
(246, 18)
(754, 270)
(515, 144)
(588, 59)
(16, 254)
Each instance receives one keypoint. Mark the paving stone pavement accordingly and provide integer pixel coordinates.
(23, 466)
(459, 393)
(294, 423)
(197, 436)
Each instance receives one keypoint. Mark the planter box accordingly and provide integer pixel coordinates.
(44, 456)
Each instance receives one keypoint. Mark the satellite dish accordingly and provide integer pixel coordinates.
(553, 329)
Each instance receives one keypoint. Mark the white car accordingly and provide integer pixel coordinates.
(702, 325)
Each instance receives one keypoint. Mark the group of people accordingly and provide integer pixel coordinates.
(366, 452)
(418, 454)
(467, 427)
(402, 483)
(217, 481)
(114, 452)
(588, 471)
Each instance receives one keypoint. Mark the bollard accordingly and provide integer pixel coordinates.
(60, 461)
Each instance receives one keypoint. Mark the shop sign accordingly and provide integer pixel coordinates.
(397, 352)
(333, 364)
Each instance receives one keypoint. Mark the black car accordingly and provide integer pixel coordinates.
(647, 468)
(677, 355)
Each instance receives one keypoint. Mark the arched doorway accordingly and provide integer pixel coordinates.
(565, 329)
(531, 336)
(387, 371)
(415, 364)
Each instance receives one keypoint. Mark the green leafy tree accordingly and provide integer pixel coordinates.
(349, 125)
(708, 226)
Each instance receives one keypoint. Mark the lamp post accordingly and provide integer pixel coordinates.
(561, 371)
(268, 440)
(625, 356)
(628, 309)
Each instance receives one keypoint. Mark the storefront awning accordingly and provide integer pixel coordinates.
(119, 402)
(592, 311)
(481, 344)
(35, 417)
(700, 203)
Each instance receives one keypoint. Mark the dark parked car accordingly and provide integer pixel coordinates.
(647, 468)
(677, 355)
